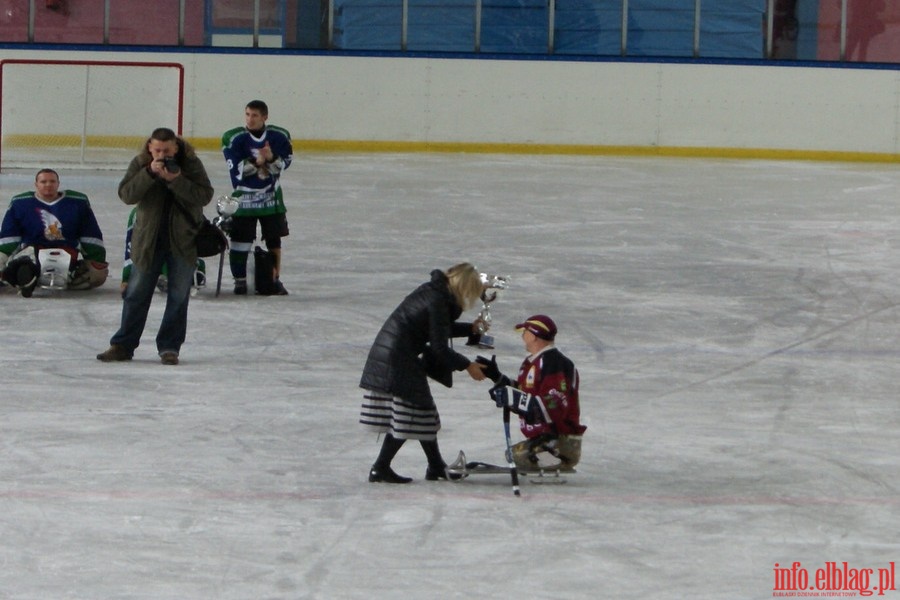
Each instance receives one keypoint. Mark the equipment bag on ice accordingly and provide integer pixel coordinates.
(211, 240)
(264, 272)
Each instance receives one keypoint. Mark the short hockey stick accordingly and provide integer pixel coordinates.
(221, 267)
(513, 471)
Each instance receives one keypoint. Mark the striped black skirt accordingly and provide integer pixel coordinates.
(388, 414)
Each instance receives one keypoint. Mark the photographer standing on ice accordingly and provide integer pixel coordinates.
(170, 187)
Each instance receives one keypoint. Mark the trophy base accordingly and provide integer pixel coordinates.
(486, 342)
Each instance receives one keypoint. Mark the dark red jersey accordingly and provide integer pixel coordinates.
(554, 378)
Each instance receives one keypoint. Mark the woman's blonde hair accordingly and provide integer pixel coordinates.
(465, 284)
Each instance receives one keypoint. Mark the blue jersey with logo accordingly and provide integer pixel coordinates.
(68, 222)
(257, 187)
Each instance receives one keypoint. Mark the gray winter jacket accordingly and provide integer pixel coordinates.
(191, 190)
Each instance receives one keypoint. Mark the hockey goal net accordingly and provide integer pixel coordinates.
(93, 114)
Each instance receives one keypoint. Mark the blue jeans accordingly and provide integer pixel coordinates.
(141, 287)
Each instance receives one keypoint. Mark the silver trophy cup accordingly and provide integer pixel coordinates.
(493, 285)
(226, 206)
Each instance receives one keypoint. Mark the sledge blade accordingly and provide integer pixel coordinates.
(464, 468)
(476, 468)
(544, 477)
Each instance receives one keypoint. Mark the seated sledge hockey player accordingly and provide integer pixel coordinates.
(162, 284)
(51, 238)
(545, 396)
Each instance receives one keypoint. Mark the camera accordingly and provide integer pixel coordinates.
(171, 165)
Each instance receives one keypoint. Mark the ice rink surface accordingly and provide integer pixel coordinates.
(735, 324)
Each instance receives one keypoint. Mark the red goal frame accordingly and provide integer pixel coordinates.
(99, 63)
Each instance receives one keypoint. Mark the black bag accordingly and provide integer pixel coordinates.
(211, 241)
(264, 272)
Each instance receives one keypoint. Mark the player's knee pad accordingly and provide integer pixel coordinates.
(537, 453)
(240, 250)
(569, 449)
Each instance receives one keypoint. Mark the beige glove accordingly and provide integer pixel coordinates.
(88, 274)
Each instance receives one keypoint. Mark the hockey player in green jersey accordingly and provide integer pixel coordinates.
(256, 155)
(162, 283)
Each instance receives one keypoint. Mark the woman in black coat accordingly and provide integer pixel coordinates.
(414, 344)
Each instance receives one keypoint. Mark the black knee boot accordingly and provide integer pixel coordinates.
(437, 468)
(381, 471)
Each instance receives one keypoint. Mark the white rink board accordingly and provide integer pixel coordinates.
(547, 102)
(114, 100)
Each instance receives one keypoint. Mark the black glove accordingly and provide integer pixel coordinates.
(491, 370)
(21, 272)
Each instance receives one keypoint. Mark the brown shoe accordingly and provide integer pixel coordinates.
(169, 357)
(115, 353)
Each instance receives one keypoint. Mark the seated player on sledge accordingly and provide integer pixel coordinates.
(162, 284)
(545, 396)
(51, 238)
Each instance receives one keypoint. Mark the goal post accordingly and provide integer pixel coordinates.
(83, 113)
